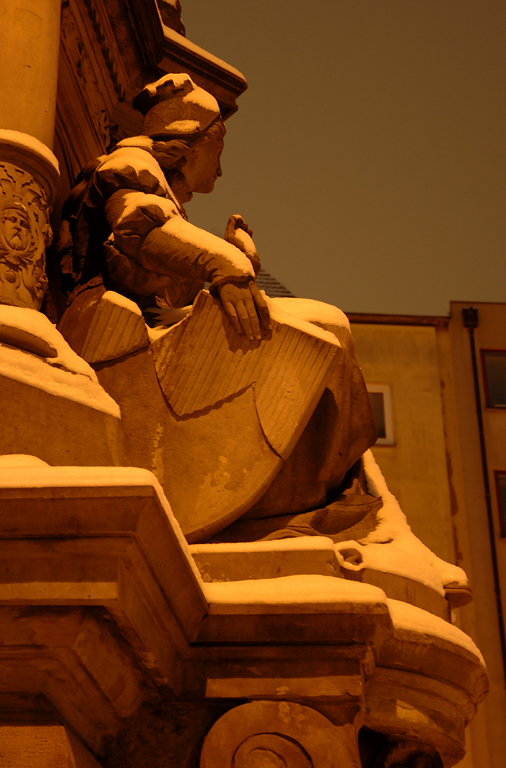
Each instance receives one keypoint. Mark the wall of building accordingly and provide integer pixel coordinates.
(434, 468)
(406, 359)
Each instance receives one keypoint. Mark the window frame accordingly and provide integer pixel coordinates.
(498, 473)
(483, 354)
(386, 391)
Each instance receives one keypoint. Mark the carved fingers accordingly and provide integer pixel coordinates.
(246, 308)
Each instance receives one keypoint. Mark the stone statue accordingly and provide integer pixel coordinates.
(252, 412)
(130, 234)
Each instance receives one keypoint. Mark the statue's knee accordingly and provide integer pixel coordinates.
(313, 311)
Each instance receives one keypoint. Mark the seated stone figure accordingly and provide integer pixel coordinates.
(253, 413)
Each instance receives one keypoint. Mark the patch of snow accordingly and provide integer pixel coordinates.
(308, 593)
(285, 316)
(20, 139)
(223, 256)
(182, 42)
(122, 301)
(392, 547)
(96, 477)
(21, 460)
(306, 543)
(130, 159)
(313, 311)
(40, 373)
(393, 527)
(409, 617)
(33, 322)
(65, 375)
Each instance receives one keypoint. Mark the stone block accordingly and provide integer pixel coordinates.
(266, 559)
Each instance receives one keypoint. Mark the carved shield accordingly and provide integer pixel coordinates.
(236, 409)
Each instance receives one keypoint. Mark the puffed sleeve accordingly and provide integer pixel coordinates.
(129, 168)
(149, 230)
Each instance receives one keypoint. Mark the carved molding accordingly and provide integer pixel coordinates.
(25, 232)
(105, 48)
(86, 79)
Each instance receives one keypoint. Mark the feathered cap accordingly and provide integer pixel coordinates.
(175, 106)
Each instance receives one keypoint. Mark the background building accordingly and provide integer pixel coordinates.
(419, 371)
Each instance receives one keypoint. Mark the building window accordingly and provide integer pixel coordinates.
(380, 396)
(500, 484)
(494, 376)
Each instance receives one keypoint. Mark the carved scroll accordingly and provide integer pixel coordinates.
(25, 232)
(278, 734)
(409, 754)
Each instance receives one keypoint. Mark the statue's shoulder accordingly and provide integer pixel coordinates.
(128, 167)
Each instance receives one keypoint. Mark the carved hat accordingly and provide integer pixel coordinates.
(175, 106)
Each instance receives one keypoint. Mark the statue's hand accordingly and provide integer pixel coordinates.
(239, 234)
(246, 308)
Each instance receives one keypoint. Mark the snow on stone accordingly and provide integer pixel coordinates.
(25, 140)
(310, 543)
(21, 460)
(183, 42)
(307, 593)
(313, 311)
(392, 547)
(122, 301)
(392, 525)
(65, 375)
(409, 617)
(95, 477)
(283, 315)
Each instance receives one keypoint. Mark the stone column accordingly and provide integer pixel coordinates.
(29, 176)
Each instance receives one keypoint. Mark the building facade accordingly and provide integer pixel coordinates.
(436, 452)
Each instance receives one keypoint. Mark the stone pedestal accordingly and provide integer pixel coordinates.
(107, 626)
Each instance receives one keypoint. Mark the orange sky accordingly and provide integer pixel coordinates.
(368, 154)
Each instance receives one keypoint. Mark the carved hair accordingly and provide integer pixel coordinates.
(169, 150)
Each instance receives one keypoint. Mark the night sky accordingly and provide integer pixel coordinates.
(368, 154)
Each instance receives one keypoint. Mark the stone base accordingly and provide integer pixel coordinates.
(107, 626)
(42, 746)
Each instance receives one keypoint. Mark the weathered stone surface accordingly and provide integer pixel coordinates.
(103, 325)
(57, 409)
(265, 560)
(203, 362)
(42, 746)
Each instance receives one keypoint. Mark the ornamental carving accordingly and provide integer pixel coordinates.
(25, 233)
(81, 66)
(409, 754)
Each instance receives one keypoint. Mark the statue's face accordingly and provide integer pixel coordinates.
(16, 228)
(202, 166)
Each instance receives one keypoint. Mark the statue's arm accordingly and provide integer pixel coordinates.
(149, 230)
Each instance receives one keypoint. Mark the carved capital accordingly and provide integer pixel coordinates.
(278, 734)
